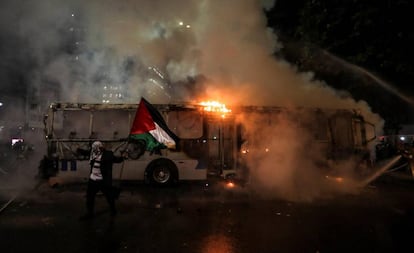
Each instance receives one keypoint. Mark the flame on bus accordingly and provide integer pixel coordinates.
(215, 106)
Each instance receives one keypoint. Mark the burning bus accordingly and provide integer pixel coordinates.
(205, 142)
(213, 141)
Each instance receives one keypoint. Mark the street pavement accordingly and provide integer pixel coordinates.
(209, 217)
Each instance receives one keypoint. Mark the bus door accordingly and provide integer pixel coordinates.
(342, 135)
(221, 141)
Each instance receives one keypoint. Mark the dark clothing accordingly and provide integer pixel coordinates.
(107, 161)
(105, 185)
(93, 188)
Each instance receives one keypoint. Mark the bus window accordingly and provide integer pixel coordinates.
(358, 133)
(72, 124)
(320, 127)
(342, 130)
(186, 124)
(111, 124)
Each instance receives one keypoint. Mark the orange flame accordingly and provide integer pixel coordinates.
(215, 106)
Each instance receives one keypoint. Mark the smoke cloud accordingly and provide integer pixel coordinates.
(165, 51)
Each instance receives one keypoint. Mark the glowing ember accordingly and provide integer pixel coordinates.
(337, 179)
(230, 185)
(245, 151)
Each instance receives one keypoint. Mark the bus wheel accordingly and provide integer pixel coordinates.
(162, 172)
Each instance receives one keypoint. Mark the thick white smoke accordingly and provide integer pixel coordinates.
(115, 42)
(83, 46)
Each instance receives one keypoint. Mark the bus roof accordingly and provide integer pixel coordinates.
(65, 106)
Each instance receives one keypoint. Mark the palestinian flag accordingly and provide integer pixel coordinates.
(149, 126)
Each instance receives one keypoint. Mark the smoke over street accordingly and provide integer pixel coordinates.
(170, 51)
(81, 45)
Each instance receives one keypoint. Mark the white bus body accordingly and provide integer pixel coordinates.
(210, 143)
(206, 142)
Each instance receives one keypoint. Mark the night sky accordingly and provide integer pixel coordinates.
(371, 43)
(361, 48)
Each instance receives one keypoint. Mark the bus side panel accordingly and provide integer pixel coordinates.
(130, 170)
(188, 170)
(135, 169)
(71, 171)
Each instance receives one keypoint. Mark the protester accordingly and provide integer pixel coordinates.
(100, 178)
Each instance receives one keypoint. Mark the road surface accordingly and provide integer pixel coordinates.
(204, 218)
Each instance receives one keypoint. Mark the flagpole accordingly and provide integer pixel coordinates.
(121, 171)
